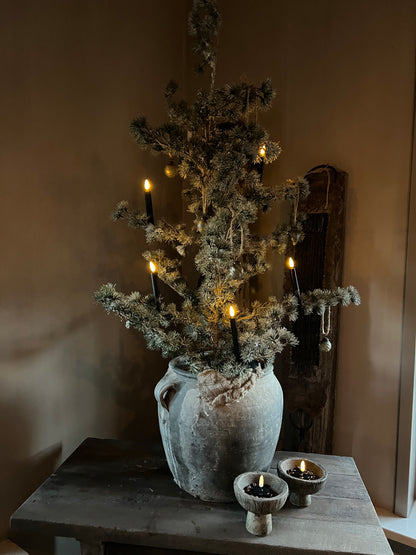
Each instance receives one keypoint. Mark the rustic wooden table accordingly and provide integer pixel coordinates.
(113, 498)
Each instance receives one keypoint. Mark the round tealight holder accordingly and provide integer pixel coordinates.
(299, 488)
(260, 509)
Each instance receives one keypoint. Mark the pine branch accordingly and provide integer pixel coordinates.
(319, 299)
(174, 235)
(169, 272)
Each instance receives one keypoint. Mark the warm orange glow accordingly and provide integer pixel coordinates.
(232, 311)
(262, 151)
(152, 267)
(302, 466)
(147, 185)
(261, 481)
(291, 263)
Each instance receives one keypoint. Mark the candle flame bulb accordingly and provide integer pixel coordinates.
(147, 185)
(152, 267)
(302, 466)
(262, 151)
(261, 481)
(291, 262)
(232, 312)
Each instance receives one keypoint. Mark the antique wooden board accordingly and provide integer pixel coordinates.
(108, 491)
(308, 375)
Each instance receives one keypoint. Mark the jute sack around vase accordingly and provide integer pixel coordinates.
(214, 430)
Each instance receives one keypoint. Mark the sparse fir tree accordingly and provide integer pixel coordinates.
(219, 149)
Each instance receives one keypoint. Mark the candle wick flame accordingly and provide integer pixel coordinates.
(152, 267)
(291, 263)
(147, 185)
(302, 466)
(261, 481)
(232, 312)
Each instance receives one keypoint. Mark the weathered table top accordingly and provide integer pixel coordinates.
(108, 491)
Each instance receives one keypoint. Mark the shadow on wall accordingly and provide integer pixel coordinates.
(133, 380)
(20, 348)
(20, 474)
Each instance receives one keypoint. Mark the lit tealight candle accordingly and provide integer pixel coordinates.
(293, 277)
(155, 284)
(234, 332)
(260, 490)
(148, 200)
(302, 466)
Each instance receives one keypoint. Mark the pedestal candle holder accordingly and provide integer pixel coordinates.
(300, 488)
(260, 509)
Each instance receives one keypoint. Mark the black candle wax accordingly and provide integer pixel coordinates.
(295, 282)
(305, 475)
(236, 344)
(155, 286)
(149, 207)
(260, 491)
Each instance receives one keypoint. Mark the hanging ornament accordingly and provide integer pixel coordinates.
(325, 345)
(171, 169)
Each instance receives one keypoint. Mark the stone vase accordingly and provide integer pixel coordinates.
(207, 446)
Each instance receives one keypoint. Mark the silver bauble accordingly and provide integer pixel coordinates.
(325, 345)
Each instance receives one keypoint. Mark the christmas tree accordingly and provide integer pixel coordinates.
(219, 149)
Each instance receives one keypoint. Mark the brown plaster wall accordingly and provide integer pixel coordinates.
(74, 74)
(344, 74)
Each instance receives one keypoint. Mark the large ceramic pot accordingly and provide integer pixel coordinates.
(208, 445)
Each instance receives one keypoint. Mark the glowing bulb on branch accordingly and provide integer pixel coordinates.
(152, 267)
(262, 151)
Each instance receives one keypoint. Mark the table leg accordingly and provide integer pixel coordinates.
(92, 548)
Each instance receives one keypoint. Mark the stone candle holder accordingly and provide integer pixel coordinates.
(260, 509)
(300, 489)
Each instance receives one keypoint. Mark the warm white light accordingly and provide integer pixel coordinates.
(262, 151)
(302, 466)
(261, 481)
(147, 185)
(232, 312)
(291, 263)
(152, 267)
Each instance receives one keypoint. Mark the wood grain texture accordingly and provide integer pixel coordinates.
(308, 375)
(112, 491)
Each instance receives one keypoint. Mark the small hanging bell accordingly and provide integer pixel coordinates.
(325, 345)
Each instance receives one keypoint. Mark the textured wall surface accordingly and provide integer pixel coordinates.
(344, 74)
(74, 74)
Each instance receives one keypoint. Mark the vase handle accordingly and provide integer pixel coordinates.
(166, 384)
(163, 393)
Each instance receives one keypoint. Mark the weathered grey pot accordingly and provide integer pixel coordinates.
(208, 446)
